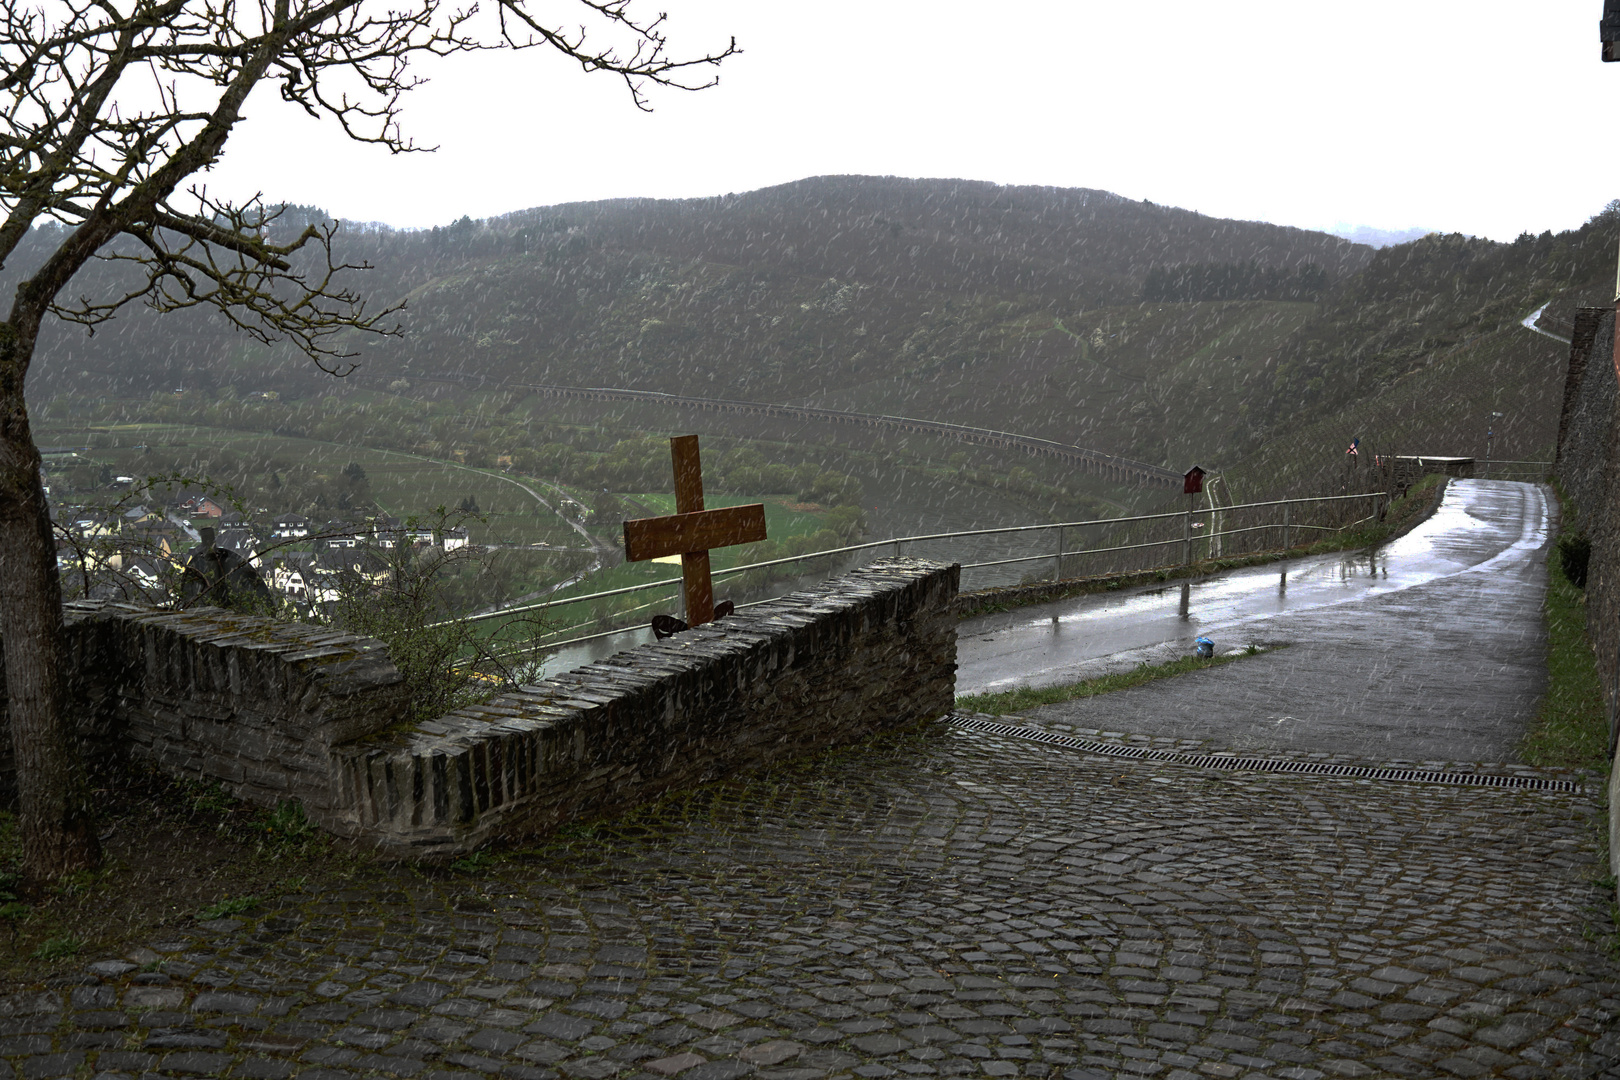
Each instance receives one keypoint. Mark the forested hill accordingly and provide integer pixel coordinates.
(955, 237)
(1148, 331)
(774, 293)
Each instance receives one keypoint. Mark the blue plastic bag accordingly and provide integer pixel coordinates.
(1206, 648)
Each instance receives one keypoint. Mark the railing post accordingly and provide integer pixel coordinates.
(1057, 564)
(1186, 535)
(1214, 523)
(1286, 508)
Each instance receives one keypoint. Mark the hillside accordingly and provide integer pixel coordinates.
(1417, 352)
(1006, 307)
(783, 293)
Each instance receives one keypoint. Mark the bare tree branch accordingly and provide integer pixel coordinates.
(107, 109)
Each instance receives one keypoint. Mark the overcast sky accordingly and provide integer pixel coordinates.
(1484, 117)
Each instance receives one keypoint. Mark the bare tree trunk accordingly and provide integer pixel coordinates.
(56, 822)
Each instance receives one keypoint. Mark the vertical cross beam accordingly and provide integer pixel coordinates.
(691, 532)
(695, 579)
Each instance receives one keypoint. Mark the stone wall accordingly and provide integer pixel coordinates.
(1588, 470)
(253, 703)
(276, 711)
(870, 651)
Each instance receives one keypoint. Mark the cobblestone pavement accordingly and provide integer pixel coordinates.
(942, 904)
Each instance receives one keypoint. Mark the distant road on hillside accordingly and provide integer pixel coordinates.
(1094, 462)
(1530, 320)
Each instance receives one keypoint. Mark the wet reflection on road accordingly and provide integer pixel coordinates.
(1493, 529)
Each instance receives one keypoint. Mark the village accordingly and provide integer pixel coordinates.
(141, 549)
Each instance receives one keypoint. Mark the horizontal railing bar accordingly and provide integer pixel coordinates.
(1248, 528)
(666, 583)
(1061, 525)
(1112, 521)
(672, 597)
(557, 645)
(874, 544)
(1292, 502)
(1066, 554)
(1138, 547)
(633, 628)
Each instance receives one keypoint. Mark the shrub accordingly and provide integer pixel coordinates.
(1574, 555)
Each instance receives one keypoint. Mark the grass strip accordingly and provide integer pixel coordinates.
(1014, 701)
(1571, 729)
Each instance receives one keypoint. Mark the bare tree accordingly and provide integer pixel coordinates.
(109, 106)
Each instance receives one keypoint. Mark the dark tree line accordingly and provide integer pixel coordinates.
(1233, 281)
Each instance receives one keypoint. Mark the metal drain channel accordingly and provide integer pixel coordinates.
(1272, 765)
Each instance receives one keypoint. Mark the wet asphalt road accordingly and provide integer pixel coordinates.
(1429, 648)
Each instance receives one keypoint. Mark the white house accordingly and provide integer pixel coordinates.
(288, 579)
(339, 534)
(241, 540)
(289, 527)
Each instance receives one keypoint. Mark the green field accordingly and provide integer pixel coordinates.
(401, 484)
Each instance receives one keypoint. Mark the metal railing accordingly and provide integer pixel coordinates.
(1488, 466)
(1286, 526)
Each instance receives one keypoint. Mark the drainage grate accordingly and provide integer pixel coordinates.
(1274, 765)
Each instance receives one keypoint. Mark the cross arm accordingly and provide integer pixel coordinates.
(678, 534)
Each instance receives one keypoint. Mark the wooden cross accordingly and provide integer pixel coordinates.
(691, 531)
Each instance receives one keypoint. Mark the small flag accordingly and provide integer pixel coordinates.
(1354, 444)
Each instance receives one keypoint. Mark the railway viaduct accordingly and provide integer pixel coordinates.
(1093, 462)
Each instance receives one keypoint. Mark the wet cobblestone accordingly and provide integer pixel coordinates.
(946, 905)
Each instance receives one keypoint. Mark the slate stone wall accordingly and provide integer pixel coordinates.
(276, 711)
(253, 703)
(873, 650)
(1588, 469)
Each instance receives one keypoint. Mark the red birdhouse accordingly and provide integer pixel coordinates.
(1193, 482)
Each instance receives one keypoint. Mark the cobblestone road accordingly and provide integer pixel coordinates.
(946, 904)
